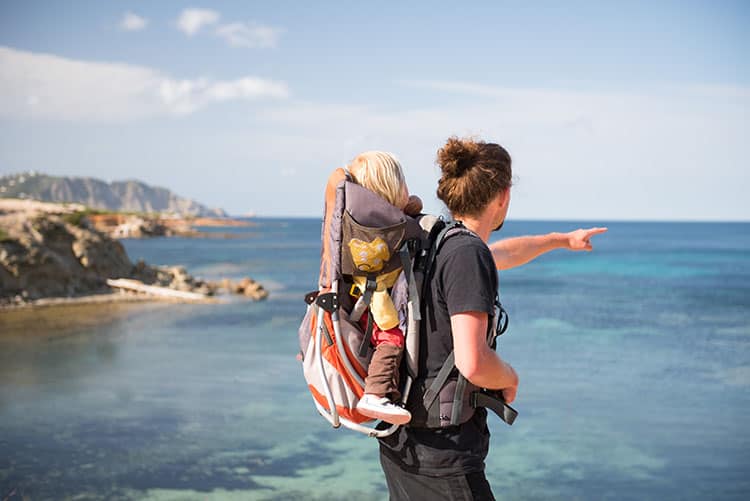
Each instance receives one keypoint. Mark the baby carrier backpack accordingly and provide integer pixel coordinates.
(365, 237)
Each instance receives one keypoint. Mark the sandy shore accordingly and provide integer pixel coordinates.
(54, 319)
(105, 298)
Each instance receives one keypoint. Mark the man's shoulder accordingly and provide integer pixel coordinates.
(464, 241)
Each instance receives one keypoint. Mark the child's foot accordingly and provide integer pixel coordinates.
(383, 409)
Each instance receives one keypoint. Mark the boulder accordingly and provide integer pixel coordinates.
(252, 289)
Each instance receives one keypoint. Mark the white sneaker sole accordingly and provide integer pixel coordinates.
(384, 415)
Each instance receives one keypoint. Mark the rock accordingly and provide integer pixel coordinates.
(44, 258)
(252, 289)
(226, 284)
(101, 254)
(49, 251)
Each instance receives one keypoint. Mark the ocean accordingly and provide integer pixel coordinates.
(634, 363)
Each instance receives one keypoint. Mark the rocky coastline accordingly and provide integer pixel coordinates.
(144, 225)
(50, 253)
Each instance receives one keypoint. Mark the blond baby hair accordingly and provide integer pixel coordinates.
(381, 172)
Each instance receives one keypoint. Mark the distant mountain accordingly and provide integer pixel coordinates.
(130, 195)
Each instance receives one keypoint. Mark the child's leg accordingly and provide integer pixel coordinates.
(381, 383)
(382, 375)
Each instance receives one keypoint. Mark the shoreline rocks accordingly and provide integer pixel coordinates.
(47, 250)
(123, 225)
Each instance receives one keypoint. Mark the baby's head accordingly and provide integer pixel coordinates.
(381, 172)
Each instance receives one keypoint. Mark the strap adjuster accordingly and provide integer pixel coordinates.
(354, 291)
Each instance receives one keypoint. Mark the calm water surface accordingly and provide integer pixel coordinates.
(634, 363)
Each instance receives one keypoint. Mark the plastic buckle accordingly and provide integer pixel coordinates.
(354, 291)
(414, 246)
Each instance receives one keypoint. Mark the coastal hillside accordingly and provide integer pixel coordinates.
(127, 196)
(52, 251)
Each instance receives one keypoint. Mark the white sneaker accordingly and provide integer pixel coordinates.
(383, 409)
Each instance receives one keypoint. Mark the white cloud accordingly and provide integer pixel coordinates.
(45, 86)
(249, 35)
(132, 22)
(192, 20)
(187, 96)
(667, 153)
(237, 34)
(247, 88)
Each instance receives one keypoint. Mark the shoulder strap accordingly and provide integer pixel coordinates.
(435, 245)
(370, 287)
(445, 232)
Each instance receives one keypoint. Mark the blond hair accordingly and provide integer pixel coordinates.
(381, 172)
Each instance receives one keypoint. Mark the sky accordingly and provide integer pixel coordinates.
(610, 110)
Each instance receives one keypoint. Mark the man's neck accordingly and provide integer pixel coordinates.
(477, 225)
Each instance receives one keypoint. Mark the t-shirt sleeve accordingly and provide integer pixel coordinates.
(469, 279)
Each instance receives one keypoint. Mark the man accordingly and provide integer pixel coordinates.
(428, 460)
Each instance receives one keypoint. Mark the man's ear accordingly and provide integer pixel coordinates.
(505, 197)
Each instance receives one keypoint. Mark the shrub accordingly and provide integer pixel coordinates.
(75, 218)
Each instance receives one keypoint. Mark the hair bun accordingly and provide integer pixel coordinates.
(457, 157)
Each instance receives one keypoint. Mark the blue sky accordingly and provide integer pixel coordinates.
(611, 110)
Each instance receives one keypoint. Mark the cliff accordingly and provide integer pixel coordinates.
(128, 196)
(48, 250)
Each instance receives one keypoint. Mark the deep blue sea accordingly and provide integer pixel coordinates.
(634, 363)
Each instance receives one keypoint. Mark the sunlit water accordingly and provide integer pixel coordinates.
(634, 363)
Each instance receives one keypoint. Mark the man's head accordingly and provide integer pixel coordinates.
(475, 176)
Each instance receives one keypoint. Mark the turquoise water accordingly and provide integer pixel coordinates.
(634, 363)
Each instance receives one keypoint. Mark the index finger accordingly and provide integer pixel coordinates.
(595, 231)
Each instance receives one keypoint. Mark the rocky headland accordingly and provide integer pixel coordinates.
(55, 251)
(122, 196)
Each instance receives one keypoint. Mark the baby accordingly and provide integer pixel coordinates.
(381, 173)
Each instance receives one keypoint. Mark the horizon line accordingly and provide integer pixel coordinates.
(541, 220)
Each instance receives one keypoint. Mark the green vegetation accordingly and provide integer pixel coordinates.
(4, 237)
(92, 211)
(75, 218)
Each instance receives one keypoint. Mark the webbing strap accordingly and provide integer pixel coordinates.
(458, 400)
(436, 245)
(434, 390)
(501, 324)
(494, 402)
(450, 229)
(370, 287)
(411, 280)
(365, 346)
(445, 371)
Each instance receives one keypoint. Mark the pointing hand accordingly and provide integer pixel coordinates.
(581, 239)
